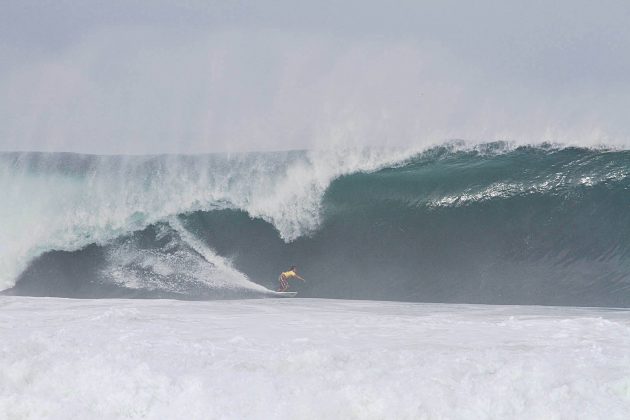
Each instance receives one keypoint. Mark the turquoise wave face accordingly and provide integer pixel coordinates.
(493, 224)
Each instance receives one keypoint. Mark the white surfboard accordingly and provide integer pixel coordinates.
(285, 294)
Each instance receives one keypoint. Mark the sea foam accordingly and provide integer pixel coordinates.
(287, 359)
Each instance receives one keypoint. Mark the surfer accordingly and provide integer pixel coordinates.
(285, 276)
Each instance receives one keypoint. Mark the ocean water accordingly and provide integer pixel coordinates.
(459, 281)
(490, 224)
(310, 359)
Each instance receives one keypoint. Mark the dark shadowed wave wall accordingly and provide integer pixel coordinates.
(493, 224)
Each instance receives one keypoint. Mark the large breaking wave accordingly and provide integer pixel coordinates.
(488, 224)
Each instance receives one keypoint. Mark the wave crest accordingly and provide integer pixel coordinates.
(68, 201)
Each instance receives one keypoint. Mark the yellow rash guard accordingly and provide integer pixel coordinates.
(289, 274)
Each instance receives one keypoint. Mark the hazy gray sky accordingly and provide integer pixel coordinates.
(198, 76)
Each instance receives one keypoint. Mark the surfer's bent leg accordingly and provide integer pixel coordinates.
(284, 285)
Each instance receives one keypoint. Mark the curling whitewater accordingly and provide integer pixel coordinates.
(309, 358)
(491, 224)
(69, 202)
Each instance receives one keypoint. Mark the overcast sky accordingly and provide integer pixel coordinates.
(199, 76)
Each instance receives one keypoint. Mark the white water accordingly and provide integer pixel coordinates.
(184, 263)
(306, 359)
(65, 202)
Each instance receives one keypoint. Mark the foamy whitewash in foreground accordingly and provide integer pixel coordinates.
(303, 359)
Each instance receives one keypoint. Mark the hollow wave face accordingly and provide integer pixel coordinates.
(103, 209)
(489, 224)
